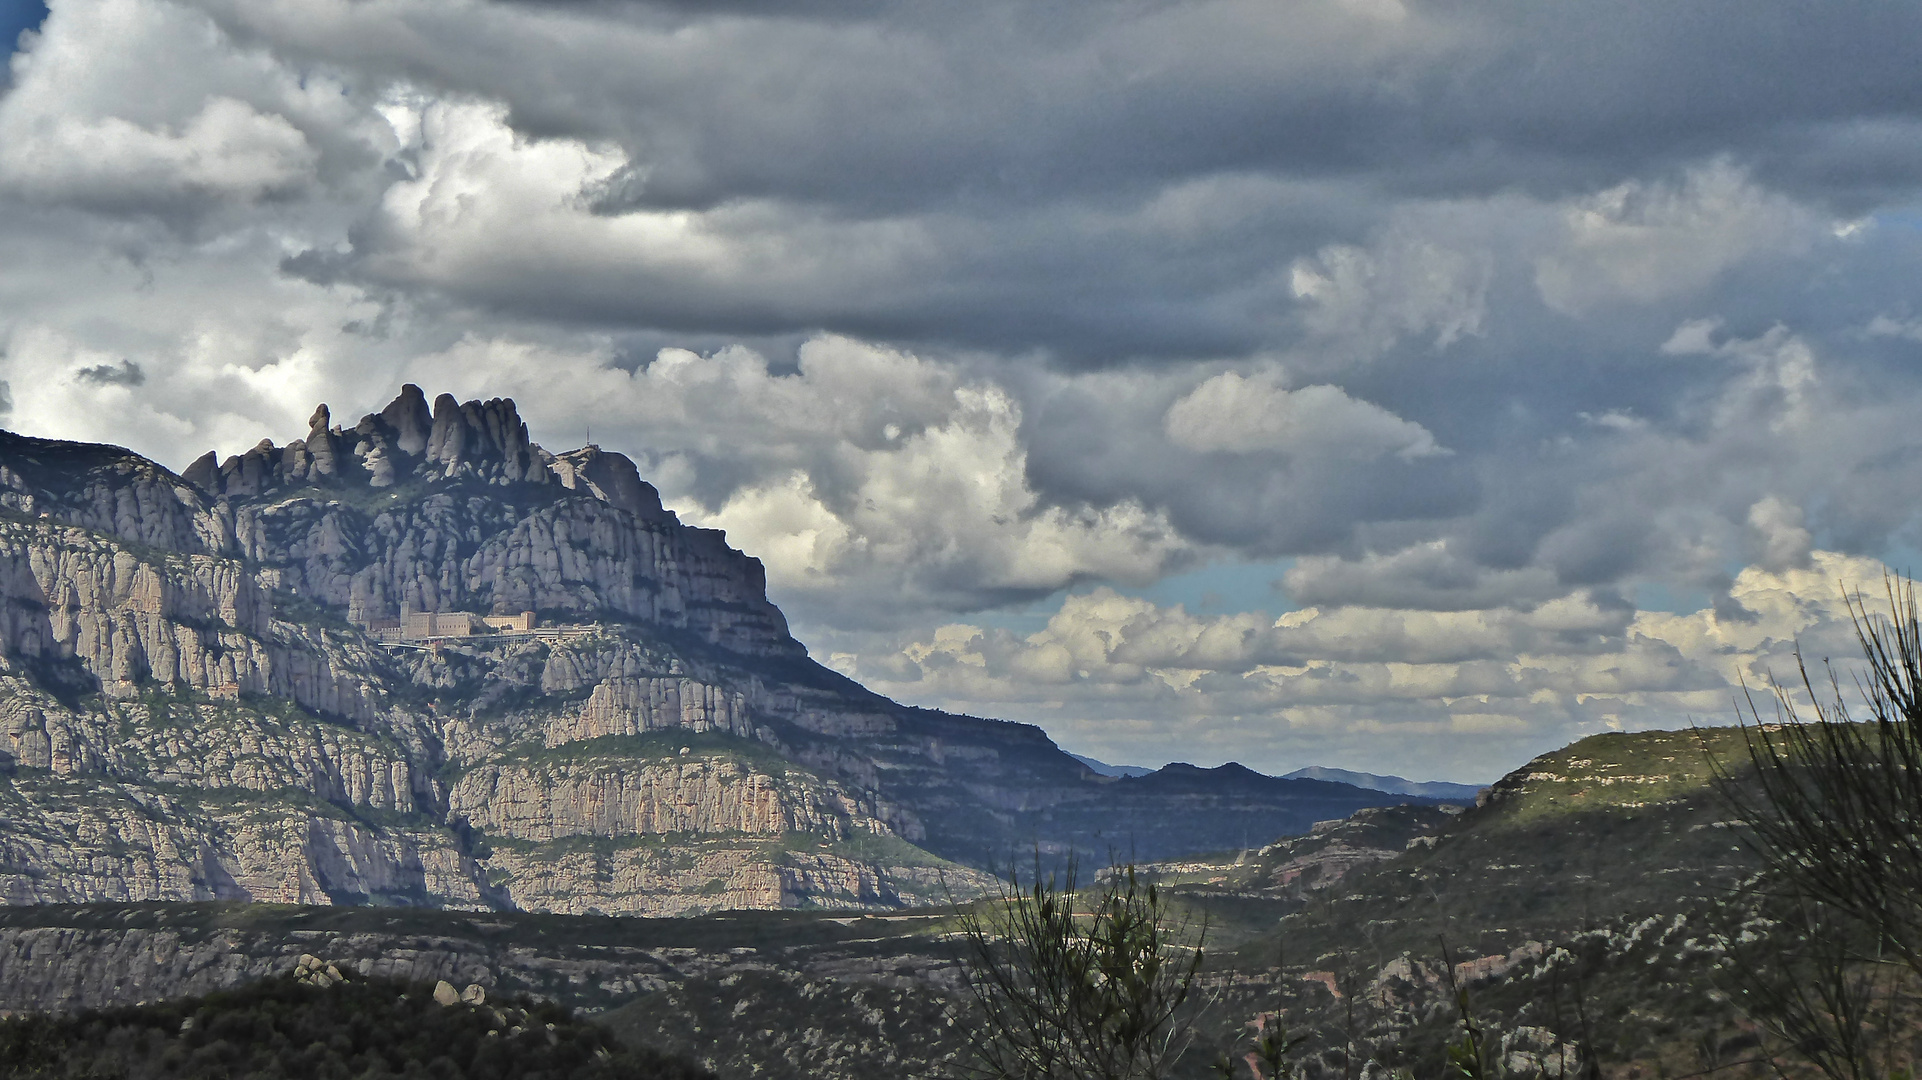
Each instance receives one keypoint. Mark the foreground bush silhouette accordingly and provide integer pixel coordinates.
(1072, 989)
(1837, 803)
(1834, 807)
(284, 1030)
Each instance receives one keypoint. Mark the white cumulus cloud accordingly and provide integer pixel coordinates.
(1465, 694)
(1245, 414)
(1642, 242)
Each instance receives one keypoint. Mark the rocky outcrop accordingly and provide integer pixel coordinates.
(483, 441)
(180, 622)
(600, 545)
(631, 705)
(630, 691)
(611, 478)
(573, 558)
(107, 490)
(654, 879)
(1297, 867)
(251, 824)
(774, 1024)
(213, 746)
(618, 796)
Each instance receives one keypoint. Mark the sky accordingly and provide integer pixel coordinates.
(1410, 386)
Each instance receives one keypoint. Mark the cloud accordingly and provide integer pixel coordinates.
(1887, 327)
(1778, 374)
(125, 373)
(1243, 415)
(1421, 692)
(1641, 242)
(1780, 535)
(225, 149)
(92, 121)
(1365, 300)
(1427, 576)
(508, 221)
(944, 313)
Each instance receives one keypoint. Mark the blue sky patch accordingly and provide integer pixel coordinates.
(19, 15)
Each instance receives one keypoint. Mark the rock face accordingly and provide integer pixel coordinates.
(193, 705)
(542, 801)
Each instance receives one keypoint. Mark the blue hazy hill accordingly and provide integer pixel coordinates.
(1393, 785)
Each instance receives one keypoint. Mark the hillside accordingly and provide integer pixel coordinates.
(268, 679)
(1596, 895)
(1607, 864)
(1615, 826)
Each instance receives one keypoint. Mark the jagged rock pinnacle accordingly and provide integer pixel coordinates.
(476, 440)
(407, 417)
(320, 443)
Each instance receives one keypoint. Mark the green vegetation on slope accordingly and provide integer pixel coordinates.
(1615, 771)
(1614, 826)
(271, 924)
(286, 1030)
(777, 1025)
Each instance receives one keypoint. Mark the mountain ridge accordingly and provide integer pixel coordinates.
(1393, 785)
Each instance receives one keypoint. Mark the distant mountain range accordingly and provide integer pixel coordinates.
(1105, 769)
(1392, 785)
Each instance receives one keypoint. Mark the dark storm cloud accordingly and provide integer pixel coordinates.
(1101, 448)
(125, 373)
(1029, 149)
(907, 104)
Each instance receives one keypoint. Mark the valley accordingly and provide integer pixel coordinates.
(1608, 862)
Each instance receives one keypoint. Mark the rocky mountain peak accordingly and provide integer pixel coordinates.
(610, 477)
(483, 439)
(476, 440)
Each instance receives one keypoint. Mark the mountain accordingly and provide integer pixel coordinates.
(1393, 785)
(1197, 810)
(270, 678)
(1102, 768)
